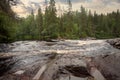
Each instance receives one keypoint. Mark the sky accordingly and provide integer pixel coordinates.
(100, 6)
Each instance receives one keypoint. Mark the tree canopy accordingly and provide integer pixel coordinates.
(70, 25)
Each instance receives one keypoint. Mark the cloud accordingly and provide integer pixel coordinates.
(100, 6)
(118, 1)
(73, 1)
(24, 7)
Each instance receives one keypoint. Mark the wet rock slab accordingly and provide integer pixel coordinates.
(109, 66)
(70, 68)
(114, 42)
(22, 67)
(65, 60)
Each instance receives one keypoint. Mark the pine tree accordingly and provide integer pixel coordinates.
(39, 21)
(83, 22)
(91, 28)
(7, 22)
(50, 21)
(69, 6)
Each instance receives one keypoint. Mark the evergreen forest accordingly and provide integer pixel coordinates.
(48, 25)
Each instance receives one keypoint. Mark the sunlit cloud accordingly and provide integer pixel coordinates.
(100, 6)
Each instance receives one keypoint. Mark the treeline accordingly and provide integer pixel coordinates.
(7, 22)
(70, 25)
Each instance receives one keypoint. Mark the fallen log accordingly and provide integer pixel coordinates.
(44, 67)
(40, 72)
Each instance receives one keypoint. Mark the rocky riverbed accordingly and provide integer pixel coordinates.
(60, 60)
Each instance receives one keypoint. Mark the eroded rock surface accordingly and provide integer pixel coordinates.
(65, 60)
(114, 42)
(109, 66)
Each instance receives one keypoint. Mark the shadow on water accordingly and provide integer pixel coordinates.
(6, 64)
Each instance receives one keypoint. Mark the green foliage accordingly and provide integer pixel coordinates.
(70, 25)
(39, 23)
(7, 22)
(7, 30)
(27, 29)
(50, 21)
